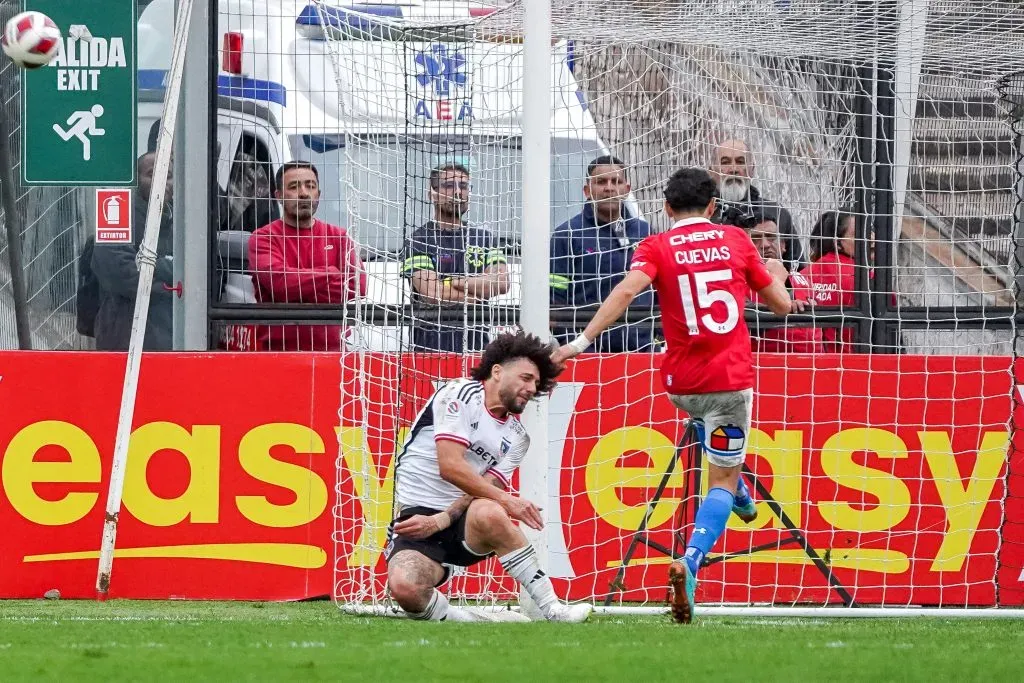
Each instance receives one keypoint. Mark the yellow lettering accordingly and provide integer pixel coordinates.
(964, 504)
(199, 502)
(374, 492)
(605, 478)
(893, 495)
(20, 472)
(309, 489)
(784, 455)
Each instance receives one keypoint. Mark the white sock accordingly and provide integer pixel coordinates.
(522, 566)
(437, 609)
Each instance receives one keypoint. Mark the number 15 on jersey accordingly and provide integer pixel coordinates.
(698, 300)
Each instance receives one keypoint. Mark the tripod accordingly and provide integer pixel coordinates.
(691, 448)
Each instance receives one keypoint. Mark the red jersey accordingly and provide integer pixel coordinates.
(318, 265)
(702, 273)
(789, 339)
(832, 281)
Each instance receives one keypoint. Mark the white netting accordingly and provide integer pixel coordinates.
(888, 466)
(827, 29)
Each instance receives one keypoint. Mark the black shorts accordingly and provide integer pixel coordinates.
(446, 547)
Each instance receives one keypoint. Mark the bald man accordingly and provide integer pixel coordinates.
(732, 167)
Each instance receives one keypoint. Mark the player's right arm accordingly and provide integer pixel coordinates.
(452, 465)
(453, 434)
(642, 271)
(422, 526)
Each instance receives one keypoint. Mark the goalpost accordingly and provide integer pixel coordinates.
(882, 478)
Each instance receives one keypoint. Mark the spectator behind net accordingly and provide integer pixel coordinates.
(732, 167)
(117, 273)
(590, 254)
(299, 259)
(831, 272)
(451, 263)
(764, 233)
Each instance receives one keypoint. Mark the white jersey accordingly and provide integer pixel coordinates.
(456, 412)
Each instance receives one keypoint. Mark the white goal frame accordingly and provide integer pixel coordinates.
(535, 300)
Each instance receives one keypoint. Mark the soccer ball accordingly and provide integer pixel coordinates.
(31, 39)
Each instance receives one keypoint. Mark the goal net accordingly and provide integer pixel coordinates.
(862, 143)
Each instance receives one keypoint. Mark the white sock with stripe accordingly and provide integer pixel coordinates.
(522, 565)
(438, 609)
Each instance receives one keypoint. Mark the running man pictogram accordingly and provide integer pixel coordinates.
(81, 125)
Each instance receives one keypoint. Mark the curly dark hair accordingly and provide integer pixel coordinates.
(513, 346)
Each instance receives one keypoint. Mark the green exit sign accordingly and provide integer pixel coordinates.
(79, 112)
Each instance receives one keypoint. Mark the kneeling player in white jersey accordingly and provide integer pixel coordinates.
(451, 479)
(702, 273)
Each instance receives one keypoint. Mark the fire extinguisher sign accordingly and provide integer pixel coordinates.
(113, 216)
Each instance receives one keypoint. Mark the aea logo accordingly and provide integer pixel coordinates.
(442, 68)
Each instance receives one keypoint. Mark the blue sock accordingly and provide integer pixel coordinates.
(710, 523)
(742, 493)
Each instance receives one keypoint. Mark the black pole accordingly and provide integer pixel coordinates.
(12, 225)
(864, 204)
(1018, 220)
(1011, 93)
(885, 331)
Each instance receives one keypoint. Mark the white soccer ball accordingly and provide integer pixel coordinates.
(31, 40)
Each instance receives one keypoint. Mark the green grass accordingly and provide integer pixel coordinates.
(193, 641)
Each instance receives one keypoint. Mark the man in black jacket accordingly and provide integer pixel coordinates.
(118, 275)
(732, 167)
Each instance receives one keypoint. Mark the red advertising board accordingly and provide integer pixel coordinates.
(894, 469)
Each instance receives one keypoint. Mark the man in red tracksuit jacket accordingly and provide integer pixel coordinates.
(299, 259)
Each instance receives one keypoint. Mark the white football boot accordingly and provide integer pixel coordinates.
(570, 614)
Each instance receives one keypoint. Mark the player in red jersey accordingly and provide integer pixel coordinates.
(703, 273)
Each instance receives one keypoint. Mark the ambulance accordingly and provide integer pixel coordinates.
(375, 95)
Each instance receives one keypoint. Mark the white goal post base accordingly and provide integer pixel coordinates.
(744, 611)
(825, 612)
(383, 610)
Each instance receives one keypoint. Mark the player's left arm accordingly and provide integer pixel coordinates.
(611, 310)
(771, 287)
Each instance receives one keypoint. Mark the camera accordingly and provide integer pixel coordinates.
(741, 216)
